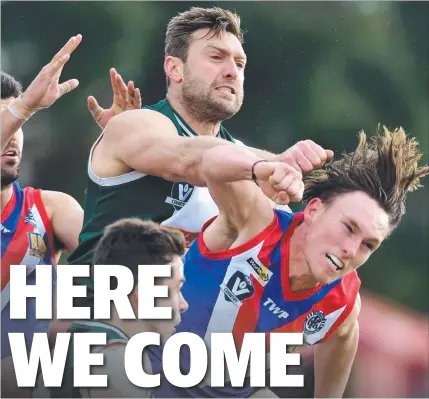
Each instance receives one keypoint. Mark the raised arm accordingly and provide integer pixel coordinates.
(42, 93)
(229, 172)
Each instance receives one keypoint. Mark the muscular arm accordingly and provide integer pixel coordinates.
(66, 217)
(334, 358)
(148, 142)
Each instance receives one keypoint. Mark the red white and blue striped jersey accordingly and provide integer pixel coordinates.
(246, 289)
(26, 239)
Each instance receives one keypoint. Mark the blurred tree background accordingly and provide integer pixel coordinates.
(316, 70)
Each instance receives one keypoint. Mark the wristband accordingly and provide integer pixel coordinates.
(253, 170)
(20, 110)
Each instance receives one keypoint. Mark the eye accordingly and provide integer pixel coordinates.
(370, 246)
(348, 228)
(216, 57)
(240, 65)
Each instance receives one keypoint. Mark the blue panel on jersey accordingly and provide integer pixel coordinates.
(12, 221)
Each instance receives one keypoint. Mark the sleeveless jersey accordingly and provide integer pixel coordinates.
(134, 194)
(26, 239)
(246, 289)
(67, 389)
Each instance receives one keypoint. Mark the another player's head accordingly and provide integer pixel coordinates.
(11, 156)
(205, 61)
(132, 242)
(355, 202)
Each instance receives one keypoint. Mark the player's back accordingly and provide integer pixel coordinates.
(26, 239)
(246, 289)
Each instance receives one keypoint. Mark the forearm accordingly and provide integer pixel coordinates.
(264, 154)
(228, 164)
(9, 126)
(333, 363)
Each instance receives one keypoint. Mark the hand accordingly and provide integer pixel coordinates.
(305, 156)
(45, 88)
(124, 98)
(280, 182)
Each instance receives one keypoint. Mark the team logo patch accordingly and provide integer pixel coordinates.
(37, 245)
(238, 288)
(180, 195)
(263, 273)
(314, 322)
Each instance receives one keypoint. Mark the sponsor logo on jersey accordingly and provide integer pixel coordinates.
(238, 288)
(314, 322)
(263, 273)
(30, 218)
(37, 245)
(180, 194)
(273, 308)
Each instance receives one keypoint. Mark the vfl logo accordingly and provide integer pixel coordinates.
(238, 288)
(180, 194)
(281, 314)
(314, 322)
(37, 245)
(263, 273)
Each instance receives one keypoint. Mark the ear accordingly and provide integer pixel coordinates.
(173, 68)
(134, 299)
(313, 209)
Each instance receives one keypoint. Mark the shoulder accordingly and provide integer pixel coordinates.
(56, 201)
(138, 120)
(350, 324)
(118, 383)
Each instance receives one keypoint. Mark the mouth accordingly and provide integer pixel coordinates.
(226, 89)
(10, 153)
(334, 262)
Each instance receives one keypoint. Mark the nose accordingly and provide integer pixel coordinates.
(231, 70)
(183, 304)
(350, 247)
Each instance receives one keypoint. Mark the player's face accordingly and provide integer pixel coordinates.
(343, 235)
(11, 155)
(175, 299)
(213, 75)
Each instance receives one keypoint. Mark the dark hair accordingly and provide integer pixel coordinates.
(181, 27)
(386, 169)
(132, 242)
(10, 87)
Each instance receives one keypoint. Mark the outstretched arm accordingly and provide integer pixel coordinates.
(42, 93)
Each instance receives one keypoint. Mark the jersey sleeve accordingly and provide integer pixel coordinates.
(349, 289)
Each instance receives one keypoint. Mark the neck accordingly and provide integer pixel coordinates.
(6, 195)
(300, 276)
(200, 127)
(129, 327)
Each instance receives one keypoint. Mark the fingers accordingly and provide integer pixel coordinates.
(55, 67)
(68, 86)
(68, 48)
(94, 108)
(287, 179)
(134, 97)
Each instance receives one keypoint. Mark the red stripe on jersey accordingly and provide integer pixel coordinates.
(229, 253)
(349, 288)
(269, 243)
(37, 197)
(9, 207)
(288, 294)
(248, 315)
